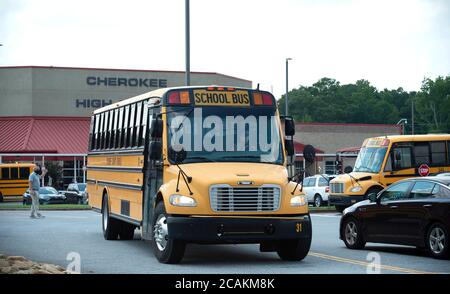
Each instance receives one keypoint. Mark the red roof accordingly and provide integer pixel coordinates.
(61, 135)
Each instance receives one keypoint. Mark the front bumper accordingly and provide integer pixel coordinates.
(216, 230)
(344, 200)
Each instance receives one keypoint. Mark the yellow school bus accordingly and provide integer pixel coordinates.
(199, 165)
(14, 180)
(385, 160)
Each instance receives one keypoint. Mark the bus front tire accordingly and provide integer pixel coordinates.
(166, 250)
(294, 250)
(110, 226)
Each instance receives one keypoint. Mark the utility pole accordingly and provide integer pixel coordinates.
(287, 85)
(412, 115)
(188, 46)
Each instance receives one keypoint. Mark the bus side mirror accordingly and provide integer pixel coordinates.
(289, 126)
(156, 127)
(348, 169)
(289, 145)
(155, 150)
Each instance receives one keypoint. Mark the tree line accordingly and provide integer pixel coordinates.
(329, 101)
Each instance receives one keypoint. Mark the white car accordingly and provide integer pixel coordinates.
(317, 189)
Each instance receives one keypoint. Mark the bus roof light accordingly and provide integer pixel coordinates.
(179, 97)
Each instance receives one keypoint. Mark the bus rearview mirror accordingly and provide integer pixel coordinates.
(155, 150)
(348, 169)
(289, 145)
(156, 127)
(289, 126)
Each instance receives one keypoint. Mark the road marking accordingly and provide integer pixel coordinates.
(366, 264)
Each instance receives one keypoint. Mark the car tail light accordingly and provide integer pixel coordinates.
(327, 190)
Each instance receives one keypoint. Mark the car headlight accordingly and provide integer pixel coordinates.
(180, 200)
(355, 189)
(299, 200)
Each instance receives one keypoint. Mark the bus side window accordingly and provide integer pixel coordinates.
(119, 129)
(14, 173)
(138, 123)
(421, 153)
(126, 118)
(24, 173)
(388, 165)
(115, 129)
(5, 173)
(402, 158)
(96, 135)
(143, 126)
(131, 125)
(438, 153)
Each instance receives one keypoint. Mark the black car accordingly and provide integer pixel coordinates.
(47, 195)
(413, 212)
(76, 193)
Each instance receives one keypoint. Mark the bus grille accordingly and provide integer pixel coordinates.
(225, 198)
(337, 187)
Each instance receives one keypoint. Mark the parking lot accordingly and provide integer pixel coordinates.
(62, 232)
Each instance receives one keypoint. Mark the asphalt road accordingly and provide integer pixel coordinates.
(62, 232)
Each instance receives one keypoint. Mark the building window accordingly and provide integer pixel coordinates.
(298, 166)
(330, 167)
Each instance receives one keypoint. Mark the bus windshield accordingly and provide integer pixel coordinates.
(225, 134)
(370, 159)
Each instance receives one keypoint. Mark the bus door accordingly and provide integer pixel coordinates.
(153, 172)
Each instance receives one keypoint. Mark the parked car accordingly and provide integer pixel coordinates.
(47, 195)
(446, 174)
(317, 189)
(413, 212)
(76, 193)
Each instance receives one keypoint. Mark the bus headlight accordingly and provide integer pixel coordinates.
(299, 200)
(180, 200)
(356, 189)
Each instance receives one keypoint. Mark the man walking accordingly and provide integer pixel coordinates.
(34, 184)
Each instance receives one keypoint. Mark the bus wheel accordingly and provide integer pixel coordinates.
(110, 225)
(166, 250)
(1, 197)
(126, 231)
(293, 250)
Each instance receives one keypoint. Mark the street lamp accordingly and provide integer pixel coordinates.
(403, 122)
(287, 85)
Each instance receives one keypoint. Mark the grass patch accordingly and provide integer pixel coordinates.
(47, 207)
(322, 209)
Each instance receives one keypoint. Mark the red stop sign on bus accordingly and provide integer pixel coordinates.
(424, 170)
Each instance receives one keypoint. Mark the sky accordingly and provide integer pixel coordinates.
(391, 43)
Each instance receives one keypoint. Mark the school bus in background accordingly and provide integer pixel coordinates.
(385, 160)
(14, 180)
(136, 178)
